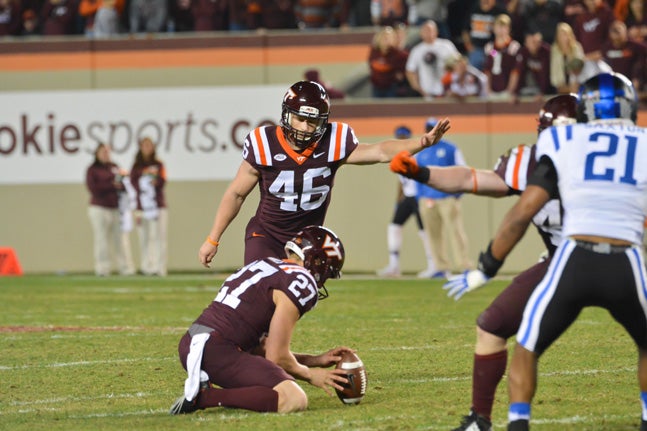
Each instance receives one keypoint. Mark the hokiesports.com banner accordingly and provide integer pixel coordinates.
(50, 137)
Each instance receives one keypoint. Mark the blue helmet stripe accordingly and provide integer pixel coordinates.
(606, 86)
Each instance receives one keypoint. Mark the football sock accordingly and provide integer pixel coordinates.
(519, 412)
(643, 403)
(487, 372)
(427, 246)
(394, 241)
(256, 398)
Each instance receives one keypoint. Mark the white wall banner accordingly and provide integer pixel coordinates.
(50, 137)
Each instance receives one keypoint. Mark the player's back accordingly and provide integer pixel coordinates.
(242, 310)
(602, 176)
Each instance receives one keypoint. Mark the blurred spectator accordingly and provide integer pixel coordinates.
(386, 63)
(582, 70)
(530, 76)
(314, 14)
(148, 16)
(209, 15)
(314, 75)
(58, 17)
(477, 31)
(421, 11)
(564, 49)
(402, 33)
(625, 56)
(515, 9)
(101, 17)
(572, 8)
(104, 181)
(500, 57)
(30, 25)
(277, 14)
(389, 12)
(10, 18)
(359, 13)
(464, 80)
(442, 213)
(542, 16)
(148, 177)
(180, 16)
(632, 13)
(243, 14)
(406, 206)
(591, 28)
(426, 63)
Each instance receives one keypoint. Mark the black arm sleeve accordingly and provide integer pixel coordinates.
(545, 176)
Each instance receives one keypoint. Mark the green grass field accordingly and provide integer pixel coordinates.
(86, 353)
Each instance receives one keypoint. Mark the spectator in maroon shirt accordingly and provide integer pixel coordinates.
(387, 63)
(209, 15)
(543, 16)
(30, 25)
(180, 15)
(500, 57)
(277, 14)
(531, 75)
(59, 17)
(623, 55)
(312, 14)
(9, 18)
(572, 8)
(632, 13)
(591, 28)
(105, 181)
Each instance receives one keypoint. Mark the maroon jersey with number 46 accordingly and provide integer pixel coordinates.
(295, 186)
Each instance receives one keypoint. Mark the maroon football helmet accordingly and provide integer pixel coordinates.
(309, 100)
(558, 110)
(322, 253)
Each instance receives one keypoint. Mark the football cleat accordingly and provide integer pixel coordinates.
(440, 275)
(427, 273)
(388, 272)
(474, 422)
(520, 425)
(183, 406)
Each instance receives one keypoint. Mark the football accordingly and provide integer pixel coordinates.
(355, 389)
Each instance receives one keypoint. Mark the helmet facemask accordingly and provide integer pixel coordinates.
(304, 139)
(305, 101)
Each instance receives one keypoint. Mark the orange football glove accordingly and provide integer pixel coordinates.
(405, 164)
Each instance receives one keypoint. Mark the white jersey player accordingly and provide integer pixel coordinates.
(599, 171)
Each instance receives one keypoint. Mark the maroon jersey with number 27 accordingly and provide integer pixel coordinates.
(242, 310)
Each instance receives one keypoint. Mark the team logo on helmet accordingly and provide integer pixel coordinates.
(322, 254)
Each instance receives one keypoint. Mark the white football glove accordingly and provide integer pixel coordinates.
(459, 285)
